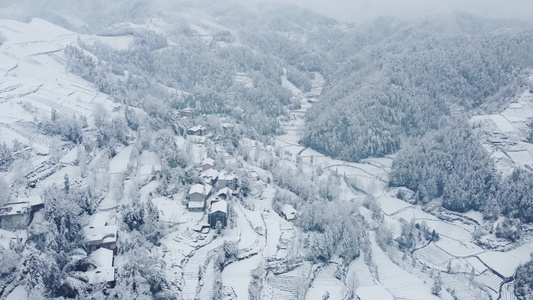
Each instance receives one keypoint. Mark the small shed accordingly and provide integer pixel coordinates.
(218, 213)
(288, 212)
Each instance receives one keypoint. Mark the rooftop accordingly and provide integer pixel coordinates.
(220, 205)
(288, 211)
(33, 200)
(208, 161)
(225, 175)
(203, 189)
(225, 191)
(104, 272)
(103, 258)
(210, 173)
(15, 208)
(196, 128)
(109, 233)
(99, 219)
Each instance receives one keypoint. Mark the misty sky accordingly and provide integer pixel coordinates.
(362, 10)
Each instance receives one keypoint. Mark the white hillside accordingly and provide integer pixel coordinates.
(34, 81)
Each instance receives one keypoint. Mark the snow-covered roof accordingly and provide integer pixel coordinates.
(226, 176)
(208, 161)
(33, 200)
(203, 189)
(109, 233)
(104, 272)
(102, 257)
(15, 208)
(209, 173)
(220, 205)
(99, 219)
(101, 275)
(196, 128)
(288, 211)
(225, 191)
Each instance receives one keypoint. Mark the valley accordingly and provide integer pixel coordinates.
(136, 186)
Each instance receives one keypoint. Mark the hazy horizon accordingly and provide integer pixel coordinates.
(364, 10)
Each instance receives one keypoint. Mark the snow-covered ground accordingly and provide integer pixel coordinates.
(505, 135)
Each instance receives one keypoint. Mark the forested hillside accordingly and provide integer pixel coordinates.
(408, 78)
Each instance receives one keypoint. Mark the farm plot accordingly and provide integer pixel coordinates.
(461, 285)
(391, 205)
(325, 282)
(507, 292)
(248, 237)
(458, 248)
(433, 257)
(148, 161)
(273, 235)
(175, 251)
(192, 266)
(490, 280)
(119, 163)
(169, 210)
(237, 275)
(43, 171)
(358, 274)
(207, 285)
(39, 142)
(283, 287)
(398, 281)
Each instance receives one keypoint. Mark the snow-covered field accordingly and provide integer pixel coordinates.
(33, 82)
(505, 135)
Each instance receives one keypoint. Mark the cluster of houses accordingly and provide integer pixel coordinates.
(212, 194)
(100, 239)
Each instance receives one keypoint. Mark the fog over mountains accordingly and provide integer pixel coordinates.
(229, 150)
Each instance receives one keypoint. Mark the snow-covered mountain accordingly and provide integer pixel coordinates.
(177, 151)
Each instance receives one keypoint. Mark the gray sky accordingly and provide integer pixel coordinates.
(362, 10)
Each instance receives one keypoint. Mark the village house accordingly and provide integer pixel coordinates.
(225, 193)
(188, 112)
(209, 176)
(18, 215)
(15, 215)
(197, 130)
(226, 179)
(208, 163)
(218, 213)
(96, 237)
(288, 212)
(198, 193)
(227, 127)
(104, 271)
